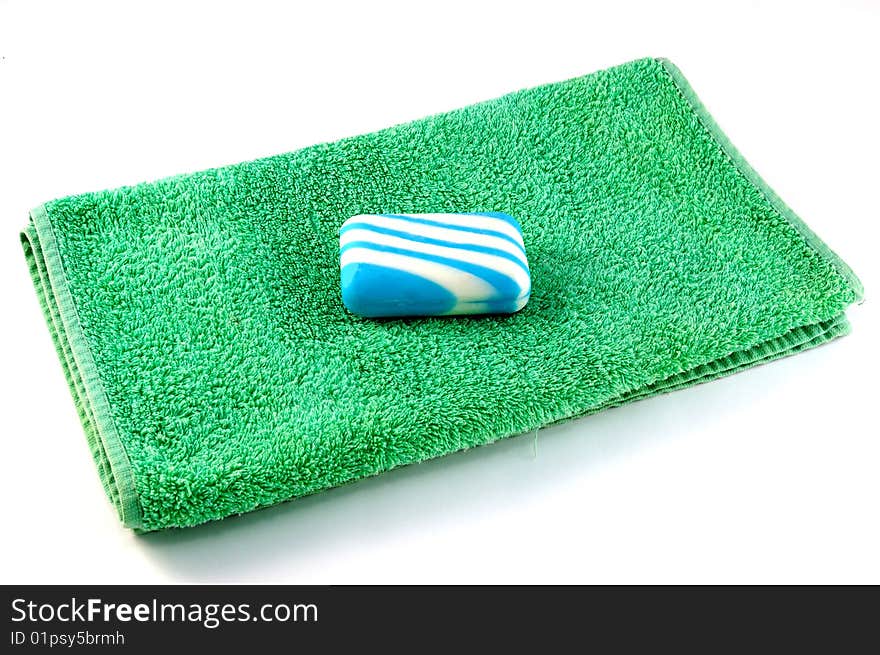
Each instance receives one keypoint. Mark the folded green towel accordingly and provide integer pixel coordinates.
(215, 370)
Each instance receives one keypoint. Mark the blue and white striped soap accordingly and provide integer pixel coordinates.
(433, 264)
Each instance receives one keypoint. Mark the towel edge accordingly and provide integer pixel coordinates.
(736, 157)
(114, 452)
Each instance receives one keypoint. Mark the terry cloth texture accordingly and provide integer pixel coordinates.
(215, 370)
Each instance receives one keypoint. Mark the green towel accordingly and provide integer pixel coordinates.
(215, 370)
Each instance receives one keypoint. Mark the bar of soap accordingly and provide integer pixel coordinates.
(433, 264)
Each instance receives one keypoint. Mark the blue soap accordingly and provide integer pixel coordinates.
(433, 264)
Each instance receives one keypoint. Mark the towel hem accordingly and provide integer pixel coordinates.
(83, 377)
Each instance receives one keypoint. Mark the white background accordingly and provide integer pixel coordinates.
(772, 475)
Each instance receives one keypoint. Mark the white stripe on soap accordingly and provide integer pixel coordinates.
(477, 221)
(500, 264)
(444, 234)
(467, 287)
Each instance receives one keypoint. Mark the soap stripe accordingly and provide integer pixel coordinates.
(504, 284)
(499, 215)
(490, 220)
(466, 286)
(437, 231)
(363, 231)
(453, 236)
(511, 268)
(490, 226)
